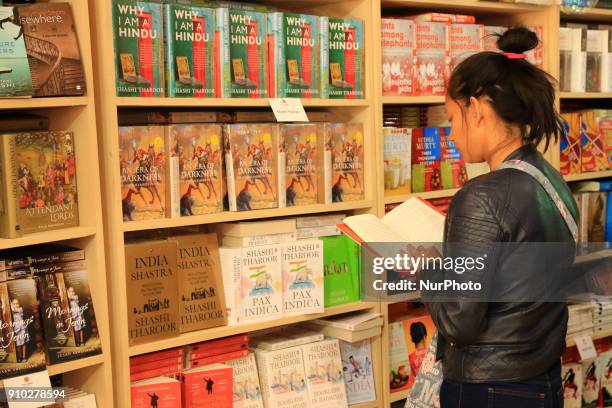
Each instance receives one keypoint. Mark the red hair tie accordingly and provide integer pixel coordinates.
(512, 55)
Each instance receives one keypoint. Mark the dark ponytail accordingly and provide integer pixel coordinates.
(520, 93)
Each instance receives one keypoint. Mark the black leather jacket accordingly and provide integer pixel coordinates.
(504, 341)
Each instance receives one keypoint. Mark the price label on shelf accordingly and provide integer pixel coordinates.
(585, 346)
(288, 109)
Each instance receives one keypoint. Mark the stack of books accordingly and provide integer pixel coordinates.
(580, 320)
(602, 313)
(586, 144)
(351, 327)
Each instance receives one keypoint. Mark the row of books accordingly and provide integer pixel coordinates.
(233, 50)
(594, 317)
(415, 116)
(420, 52)
(46, 309)
(272, 369)
(586, 144)
(585, 56)
(189, 169)
(421, 159)
(595, 208)
(75, 398)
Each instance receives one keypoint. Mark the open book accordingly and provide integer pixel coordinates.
(415, 220)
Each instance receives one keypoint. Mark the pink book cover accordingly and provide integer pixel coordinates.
(398, 52)
(465, 40)
(432, 58)
(208, 387)
(536, 56)
(489, 40)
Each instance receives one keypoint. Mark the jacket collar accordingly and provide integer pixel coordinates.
(522, 153)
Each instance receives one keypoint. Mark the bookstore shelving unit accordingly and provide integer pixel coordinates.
(91, 374)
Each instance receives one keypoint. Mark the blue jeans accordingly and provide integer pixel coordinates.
(543, 391)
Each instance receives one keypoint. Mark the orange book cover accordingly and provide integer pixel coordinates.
(347, 151)
(570, 145)
(593, 154)
(418, 331)
(157, 392)
(208, 386)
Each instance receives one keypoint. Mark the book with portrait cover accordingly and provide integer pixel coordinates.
(358, 371)
(452, 165)
(570, 162)
(16, 78)
(323, 369)
(592, 152)
(190, 53)
(571, 376)
(397, 150)
(346, 59)
(142, 161)
(57, 71)
(199, 151)
(160, 392)
(251, 154)
(418, 332)
(465, 40)
(246, 387)
(208, 386)
(201, 299)
(432, 62)
(66, 305)
(347, 152)
(399, 364)
(21, 343)
(302, 277)
(398, 52)
(426, 160)
(139, 48)
(152, 288)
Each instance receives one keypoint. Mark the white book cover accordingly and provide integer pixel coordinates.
(358, 372)
(590, 383)
(257, 240)
(399, 362)
(81, 401)
(281, 374)
(288, 337)
(323, 366)
(565, 59)
(231, 272)
(597, 54)
(261, 284)
(303, 277)
(571, 376)
(246, 387)
(578, 68)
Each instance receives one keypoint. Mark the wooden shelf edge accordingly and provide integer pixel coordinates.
(412, 100)
(230, 102)
(48, 236)
(370, 404)
(593, 14)
(224, 331)
(51, 102)
(228, 216)
(398, 396)
(585, 95)
(74, 365)
(588, 176)
(595, 335)
(474, 6)
(425, 195)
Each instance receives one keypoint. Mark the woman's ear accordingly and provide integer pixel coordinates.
(476, 110)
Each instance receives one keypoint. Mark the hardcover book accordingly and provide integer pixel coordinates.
(199, 282)
(139, 48)
(346, 59)
(452, 165)
(261, 284)
(398, 52)
(426, 160)
(397, 164)
(357, 371)
(152, 287)
(57, 71)
(592, 153)
(190, 53)
(142, 161)
(242, 53)
(199, 151)
(282, 378)
(251, 154)
(160, 392)
(66, 305)
(303, 277)
(465, 40)
(246, 388)
(21, 343)
(347, 152)
(432, 60)
(341, 270)
(208, 386)
(323, 367)
(15, 79)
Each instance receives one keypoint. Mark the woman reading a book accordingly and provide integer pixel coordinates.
(504, 353)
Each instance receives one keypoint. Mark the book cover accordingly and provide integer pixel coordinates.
(323, 367)
(231, 270)
(590, 383)
(246, 388)
(578, 60)
(490, 36)
(452, 165)
(300, 160)
(604, 120)
(58, 70)
(200, 289)
(282, 377)
(357, 371)
(142, 161)
(346, 59)
(565, 59)
(44, 168)
(15, 76)
(604, 366)
(596, 217)
(570, 144)
(139, 48)
(465, 40)
(200, 158)
(323, 57)
(289, 337)
(592, 153)
(67, 310)
(251, 154)
(397, 163)
(158, 392)
(190, 55)
(257, 240)
(443, 18)
(261, 284)
(596, 56)
(571, 375)
(536, 55)
(42, 255)
(347, 153)
(399, 362)
(21, 343)
(418, 332)
(302, 266)
(152, 288)
(426, 160)
(341, 270)
(398, 52)
(152, 365)
(432, 61)
(156, 356)
(242, 53)
(219, 358)
(208, 386)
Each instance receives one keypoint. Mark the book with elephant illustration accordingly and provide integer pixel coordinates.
(303, 277)
(247, 390)
(346, 142)
(324, 377)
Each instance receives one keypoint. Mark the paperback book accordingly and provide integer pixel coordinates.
(357, 371)
(341, 270)
(592, 152)
(432, 60)
(400, 374)
(347, 168)
(605, 374)
(591, 384)
(208, 386)
(139, 48)
(571, 375)
(16, 79)
(426, 160)
(246, 388)
(282, 377)
(160, 392)
(231, 270)
(597, 64)
(397, 164)
(465, 40)
(398, 52)
(452, 165)
(570, 145)
(302, 266)
(346, 59)
(323, 367)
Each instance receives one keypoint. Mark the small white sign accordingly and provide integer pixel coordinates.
(35, 386)
(288, 109)
(585, 345)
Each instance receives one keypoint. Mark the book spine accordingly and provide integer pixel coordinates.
(282, 171)
(257, 240)
(578, 69)
(327, 165)
(324, 57)
(316, 232)
(233, 341)
(173, 178)
(217, 359)
(159, 355)
(9, 223)
(157, 372)
(169, 49)
(231, 271)
(314, 222)
(229, 174)
(153, 365)
(216, 351)
(275, 55)
(222, 50)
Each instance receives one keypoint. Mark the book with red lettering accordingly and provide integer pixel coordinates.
(159, 392)
(426, 160)
(443, 18)
(491, 34)
(219, 358)
(432, 60)
(153, 365)
(156, 356)
(452, 165)
(398, 52)
(465, 40)
(536, 56)
(208, 386)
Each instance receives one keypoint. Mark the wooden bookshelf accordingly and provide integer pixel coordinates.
(231, 102)
(588, 176)
(585, 95)
(398, 396)
(596, 336)
(41, 103)
(425, 195)
(412, 100)
(590, 15)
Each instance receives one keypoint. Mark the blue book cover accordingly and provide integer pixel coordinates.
(609, 218)
(15, 77)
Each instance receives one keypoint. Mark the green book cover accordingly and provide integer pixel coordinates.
(242, 53)
(342, 269)
(189, 38)
(139, 48)
(324, 57)
(15, 77)
(346, 58)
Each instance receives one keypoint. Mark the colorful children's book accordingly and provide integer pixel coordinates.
(246, 388)
(398, 52)
(397, 163)
(592, 151)
(358, 371)
(15, 79)
(303, 277)
(570, 144)
(347, 170)
(323, 368)
(465, 40)
(346, 59)
(452, 166)
(490, 36)
(426, 160)
(432, 58)
(208, 386)
(341, 269)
